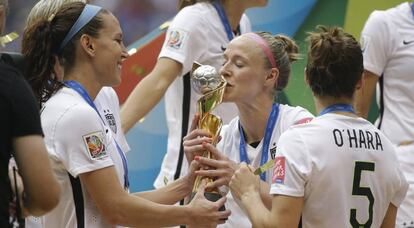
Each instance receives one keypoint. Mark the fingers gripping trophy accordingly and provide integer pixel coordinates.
(207, 82)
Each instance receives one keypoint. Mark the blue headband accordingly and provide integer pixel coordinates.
(89, 12)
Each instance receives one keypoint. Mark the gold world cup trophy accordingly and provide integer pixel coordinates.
(207, 82)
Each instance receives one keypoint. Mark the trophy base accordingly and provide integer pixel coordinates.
(210, 196)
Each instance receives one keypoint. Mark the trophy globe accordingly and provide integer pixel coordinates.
(205, 79)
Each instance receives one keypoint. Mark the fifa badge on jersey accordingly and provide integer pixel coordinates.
(95, 145)
(111, 120)
(176, 39)
(279, 170)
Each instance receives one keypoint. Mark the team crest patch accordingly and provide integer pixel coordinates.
(111, 121)
(95, 145)
(176, 39)
(279, 171)
(273, 152)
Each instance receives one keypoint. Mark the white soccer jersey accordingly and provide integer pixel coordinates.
(388, 43)
(345, 169)
(77, 142)
(107, 104)
(195, 34)
(230, 144)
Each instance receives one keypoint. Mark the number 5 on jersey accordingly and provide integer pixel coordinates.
(357, 190)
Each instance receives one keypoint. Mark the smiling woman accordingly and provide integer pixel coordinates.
(91, 167)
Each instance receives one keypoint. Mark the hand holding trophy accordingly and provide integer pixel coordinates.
(207, 82)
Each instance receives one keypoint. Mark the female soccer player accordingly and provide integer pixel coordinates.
(86, 159)
(199, 32)
(337, 170)
(256, 67)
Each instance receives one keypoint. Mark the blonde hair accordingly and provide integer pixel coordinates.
(45, 8)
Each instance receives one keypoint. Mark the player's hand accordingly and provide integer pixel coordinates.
(244, 182)
(205, 213)
(191, 175)
(221, 167)
(192, 142)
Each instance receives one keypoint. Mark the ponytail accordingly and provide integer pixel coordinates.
(37, 47)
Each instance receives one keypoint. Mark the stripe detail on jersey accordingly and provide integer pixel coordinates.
(184, 122)
(381, 101)
(78, 200)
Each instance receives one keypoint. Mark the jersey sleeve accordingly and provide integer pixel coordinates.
(376, 43)
(292, 166)
(80, 141)
(402, 187)
(185, 38)
(296, 116)
(245, 25)
(25, 112)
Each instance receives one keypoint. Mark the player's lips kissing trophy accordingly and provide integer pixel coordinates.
(207, 82)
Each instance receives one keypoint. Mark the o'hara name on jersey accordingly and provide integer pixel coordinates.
(357, 138)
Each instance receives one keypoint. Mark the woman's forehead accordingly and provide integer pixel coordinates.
(243, 46)
(110, 23)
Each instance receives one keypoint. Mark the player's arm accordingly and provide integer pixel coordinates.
(175, 191)
(149, 92)
(120, 208)
(30, 151)
(363, 96)
(285, 211)
(390, 217)
(33, 163)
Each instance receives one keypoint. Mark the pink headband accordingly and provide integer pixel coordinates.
(263, 44)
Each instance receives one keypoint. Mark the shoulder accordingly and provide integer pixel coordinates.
(68, 108)
(107, 95)
(295, 115)
(193, 16)
(10, 76)
(106, 92)
(377, 19)
(245, 24)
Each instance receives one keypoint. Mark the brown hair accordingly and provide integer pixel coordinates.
(41, 43)
(285, 51)
(335, 63)
(184, 3)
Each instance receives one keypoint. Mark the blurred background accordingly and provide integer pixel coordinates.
(140, 20)
(137, 17)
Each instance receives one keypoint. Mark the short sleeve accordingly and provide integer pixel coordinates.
(185, 38)
(80, 141)
(402, 187)
(295, 116)
(25, 112)
(245, 25)
(292, 166)
(376, 43)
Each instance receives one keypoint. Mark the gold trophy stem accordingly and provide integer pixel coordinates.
(212, 124)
